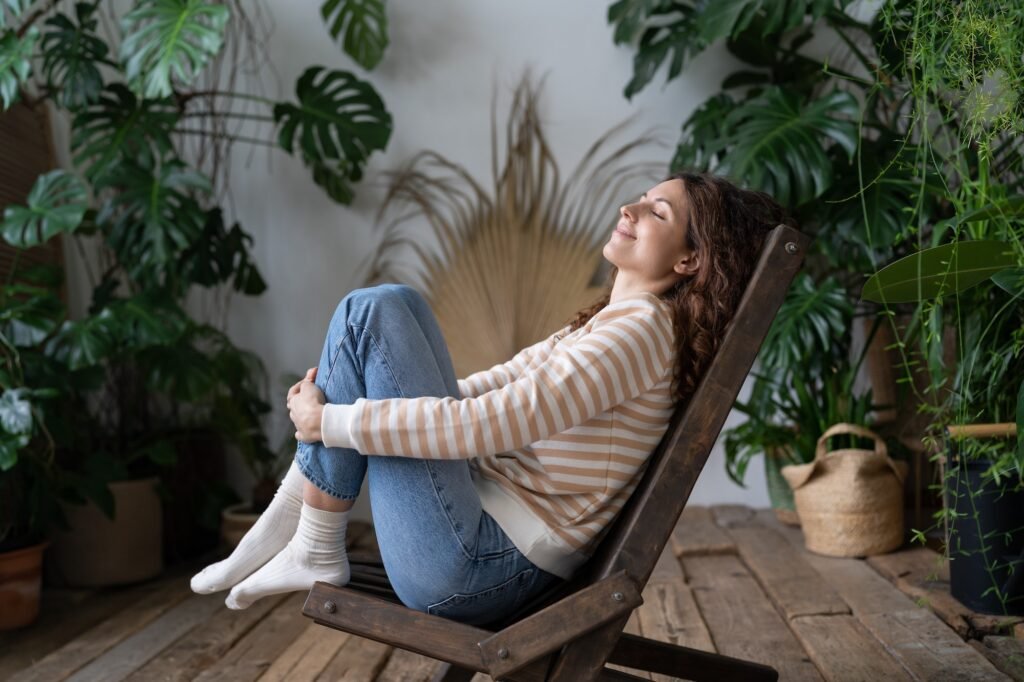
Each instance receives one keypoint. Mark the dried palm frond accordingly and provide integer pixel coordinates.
(513, 266)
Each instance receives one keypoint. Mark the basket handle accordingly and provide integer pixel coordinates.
(843, 427)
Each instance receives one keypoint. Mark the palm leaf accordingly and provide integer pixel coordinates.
(56, 204)
(946, 269)
(512, 262)
(167, 39)
(71, 53)
(365, 27)
(338, 122)
(120, 127)
(15, 63)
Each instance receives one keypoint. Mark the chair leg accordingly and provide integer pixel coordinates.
(453, 673)
(641, 653)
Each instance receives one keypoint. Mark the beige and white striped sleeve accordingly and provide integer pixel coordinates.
(620, 358)
(499, 375)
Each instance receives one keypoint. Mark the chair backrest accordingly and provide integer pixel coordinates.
(639, 534)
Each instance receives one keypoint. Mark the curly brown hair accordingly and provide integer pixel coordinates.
(727, 227)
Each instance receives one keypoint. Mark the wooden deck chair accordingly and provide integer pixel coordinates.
(569, 633)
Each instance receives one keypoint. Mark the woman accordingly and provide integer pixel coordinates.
(486, 490)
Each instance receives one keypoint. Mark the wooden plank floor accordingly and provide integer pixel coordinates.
(733, 580)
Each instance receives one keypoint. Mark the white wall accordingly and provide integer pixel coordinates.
(445, 60)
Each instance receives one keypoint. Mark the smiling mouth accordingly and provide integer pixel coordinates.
(623, 231)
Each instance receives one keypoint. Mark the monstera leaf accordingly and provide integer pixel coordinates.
(338, 121)
(704, 134)
(672, 35)
(365, 27)
(14, 8)
(776, 143)
(165, 38)
(808, 323)
(152, 217)
(120, 127)
(71, 53)
(723, 18)
(629, 17)
(15, 62)
(946, 269)
(56, 204)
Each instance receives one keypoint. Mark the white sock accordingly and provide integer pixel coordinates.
(315, 553)
(266, 538)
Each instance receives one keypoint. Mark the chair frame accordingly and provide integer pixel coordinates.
(570, 632)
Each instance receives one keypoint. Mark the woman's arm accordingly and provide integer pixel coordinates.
(624, 356)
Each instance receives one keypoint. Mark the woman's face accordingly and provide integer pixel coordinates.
(649, 241)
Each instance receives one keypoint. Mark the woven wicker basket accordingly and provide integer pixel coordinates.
(850, 501)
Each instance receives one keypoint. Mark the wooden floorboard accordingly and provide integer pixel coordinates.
(741, 618)
(732, 580)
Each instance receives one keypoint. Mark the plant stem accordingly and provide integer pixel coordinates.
(225, 136)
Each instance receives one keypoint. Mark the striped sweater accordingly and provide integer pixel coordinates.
(557, 437)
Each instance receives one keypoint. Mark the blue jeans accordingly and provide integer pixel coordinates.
(443, 554)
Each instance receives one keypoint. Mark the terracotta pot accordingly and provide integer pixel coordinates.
(235, 521)
(21, 577)
(98, 551)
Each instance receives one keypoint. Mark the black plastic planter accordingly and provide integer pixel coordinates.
(995, 513)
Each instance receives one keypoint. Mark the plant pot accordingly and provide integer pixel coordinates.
(97, 551)
(779, 492)
(989, 512)
(21, 577)
(235, 522)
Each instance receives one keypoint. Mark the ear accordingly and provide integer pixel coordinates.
(688, 265)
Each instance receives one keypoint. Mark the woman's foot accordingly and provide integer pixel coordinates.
(315, 553)
(267, 537)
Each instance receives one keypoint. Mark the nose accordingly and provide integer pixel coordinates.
(627, 211)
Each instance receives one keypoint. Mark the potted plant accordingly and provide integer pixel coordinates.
(29, 480)
(142, 376)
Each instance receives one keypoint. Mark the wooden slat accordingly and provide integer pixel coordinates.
(206, 644)
(394, 624)
(923, 574)
(793, 585)
(64, 614)
(358, 659)
(844, 650)
(1005, 653)
(633, 628)
(613, 597)
(133, 652)
(741, 619)
(927, 647)
(406, 666)
(916, 637)
(307, 656)
(859, 585)
(62, 662)
(256, 651)
(697, 533)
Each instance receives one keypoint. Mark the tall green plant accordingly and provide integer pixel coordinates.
(84, 401)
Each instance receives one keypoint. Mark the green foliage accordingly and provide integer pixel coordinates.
(56, 204)
(939, 271)
(72, 53)
(15, 63)
(773, 141)
(153, 217)
(338, 121)
(118, 127)
(365, 27)
(170, 38)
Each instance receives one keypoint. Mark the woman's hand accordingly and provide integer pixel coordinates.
(306, 407)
